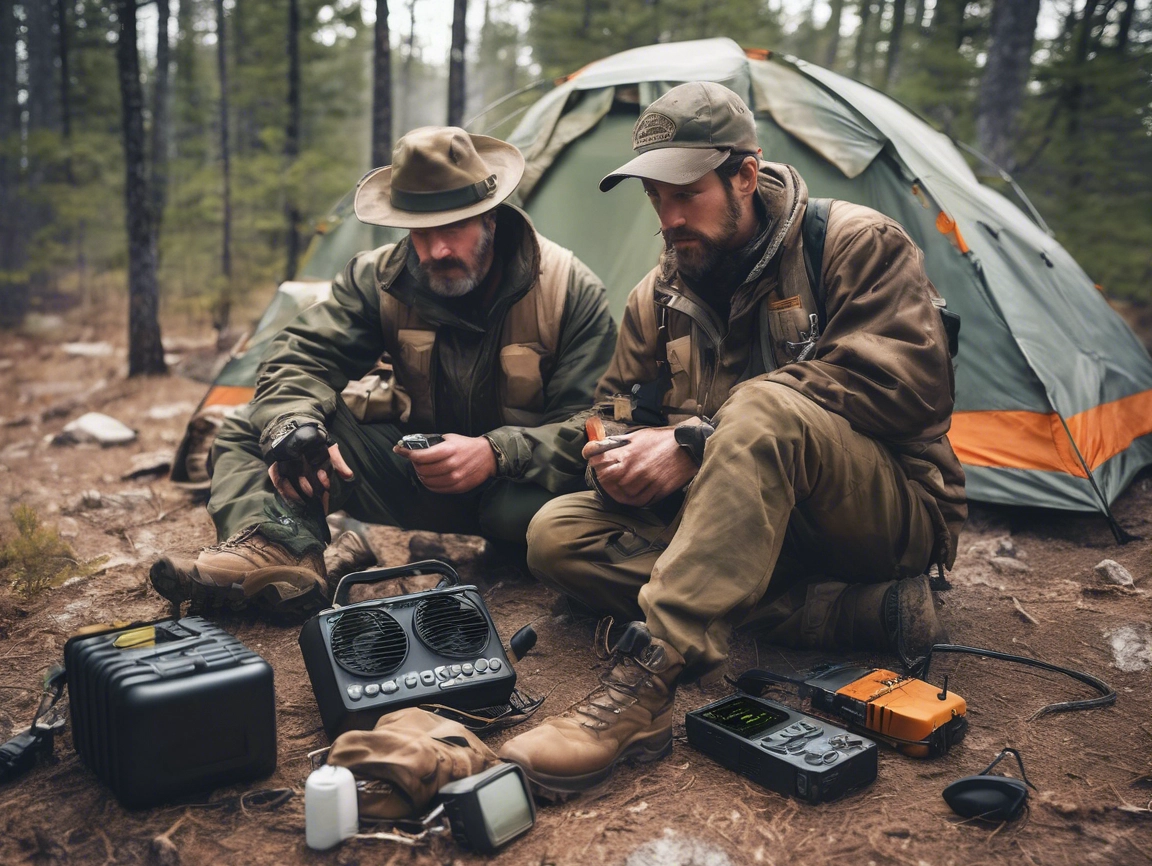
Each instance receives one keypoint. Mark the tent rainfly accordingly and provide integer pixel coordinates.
(1053, 391)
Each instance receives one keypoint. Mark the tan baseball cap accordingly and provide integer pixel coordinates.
(438, 175)
(686, 133)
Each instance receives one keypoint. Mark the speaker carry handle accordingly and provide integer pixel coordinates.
(449, 577)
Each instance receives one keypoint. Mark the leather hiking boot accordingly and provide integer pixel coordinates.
(628, 718)
(910, 620)
(248, 568)
(348, 552)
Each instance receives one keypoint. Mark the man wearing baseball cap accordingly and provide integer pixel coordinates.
(794, 474)
(473, 326)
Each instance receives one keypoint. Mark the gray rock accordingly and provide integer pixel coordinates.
(95, 427)
(1110, 571)
(88, 350)
(1008, 565)
(1006, 548)
(1131, 647)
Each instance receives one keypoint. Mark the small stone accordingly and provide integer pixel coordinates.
(91, 499)
(1008, 565)
(1110, 571)
(95, 427)
(68, 527)
(1006, 548)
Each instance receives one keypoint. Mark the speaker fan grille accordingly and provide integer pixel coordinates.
(368, 642)
(452, 626)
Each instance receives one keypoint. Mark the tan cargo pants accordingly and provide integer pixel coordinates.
(796, 524)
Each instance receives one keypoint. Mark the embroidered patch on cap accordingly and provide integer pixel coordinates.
(653, 128)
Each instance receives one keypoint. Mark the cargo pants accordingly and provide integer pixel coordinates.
(384, 490)
(795, 525)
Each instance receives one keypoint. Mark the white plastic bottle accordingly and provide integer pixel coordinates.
(330, 811)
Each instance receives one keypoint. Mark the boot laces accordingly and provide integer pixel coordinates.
(620, 687)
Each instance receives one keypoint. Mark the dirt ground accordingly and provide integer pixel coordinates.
(1024, 583)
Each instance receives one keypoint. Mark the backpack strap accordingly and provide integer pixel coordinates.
(814, 230)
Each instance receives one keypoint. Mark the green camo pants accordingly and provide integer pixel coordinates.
(384, 490)
(795, 524)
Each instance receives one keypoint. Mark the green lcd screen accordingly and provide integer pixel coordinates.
(744, 717)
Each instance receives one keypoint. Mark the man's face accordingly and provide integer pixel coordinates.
(699, 221)
(454, 259)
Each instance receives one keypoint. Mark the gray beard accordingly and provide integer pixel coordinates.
(457, 287)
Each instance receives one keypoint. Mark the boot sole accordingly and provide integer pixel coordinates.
(168, 583)
(559, 788)
(264, 594)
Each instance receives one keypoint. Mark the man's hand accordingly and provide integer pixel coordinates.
(649, 468)
(284, 486)
(456, 465)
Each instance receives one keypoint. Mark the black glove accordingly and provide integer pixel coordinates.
(298, 450)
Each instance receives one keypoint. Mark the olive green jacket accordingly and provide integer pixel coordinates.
(311, 361)
(881, 362)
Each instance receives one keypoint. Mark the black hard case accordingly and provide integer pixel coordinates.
(191, 713)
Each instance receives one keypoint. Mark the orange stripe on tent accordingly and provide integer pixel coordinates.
(1036, 440)
(229, 395)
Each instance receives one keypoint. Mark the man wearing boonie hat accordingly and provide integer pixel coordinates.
(794, 474)
(473, 326)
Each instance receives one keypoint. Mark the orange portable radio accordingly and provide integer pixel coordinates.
(915, 717)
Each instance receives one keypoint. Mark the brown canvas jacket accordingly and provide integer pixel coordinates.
(882, 361)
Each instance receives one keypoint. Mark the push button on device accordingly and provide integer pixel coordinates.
(494, 664)
(467, 669)
(456, 670)
(442, 673)
(428, 678)
(411, 680)
(389, 687)
(355, 692)
(481, 665)
(371, 690)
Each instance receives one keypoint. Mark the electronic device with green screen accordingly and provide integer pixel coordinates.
(490, 809)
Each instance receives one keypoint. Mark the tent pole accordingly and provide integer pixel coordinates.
(1122, 536)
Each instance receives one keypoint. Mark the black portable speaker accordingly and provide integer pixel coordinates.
(433, 647)
(167, 709)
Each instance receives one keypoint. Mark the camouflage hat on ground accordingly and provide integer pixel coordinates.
(439, 175)
(686, 133)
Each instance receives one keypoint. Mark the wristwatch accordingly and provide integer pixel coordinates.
(691, 437)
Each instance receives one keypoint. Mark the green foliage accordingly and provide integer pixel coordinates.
(38, 558)
(567, 34)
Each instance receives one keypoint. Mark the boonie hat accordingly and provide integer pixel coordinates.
(686, 133)
(438, 175)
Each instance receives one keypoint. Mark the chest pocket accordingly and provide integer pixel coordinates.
(414, 369)
(787, 326)
(523, 378)
(680, 367)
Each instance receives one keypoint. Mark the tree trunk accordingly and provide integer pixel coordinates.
(406, 85)
(160, 120)
(292, 138)
(145, 352)
(42, 46)
(899, 12)
(225, 165)
(13, 290)
(1124, 35)
(862, 39)
(456, 64)
(1005, 76)
(833, 29)
(65, 88)
(381, 89)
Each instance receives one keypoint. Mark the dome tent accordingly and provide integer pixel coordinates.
(1054, 392)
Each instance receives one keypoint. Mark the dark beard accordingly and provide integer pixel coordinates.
(696, 265)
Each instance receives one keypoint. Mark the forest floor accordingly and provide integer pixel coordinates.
(1024, 582)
